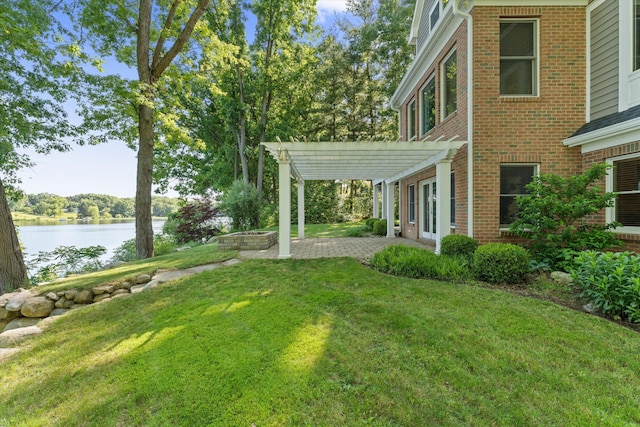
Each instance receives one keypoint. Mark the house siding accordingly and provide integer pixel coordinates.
(604, 40)
(525, 129)
(423, 31)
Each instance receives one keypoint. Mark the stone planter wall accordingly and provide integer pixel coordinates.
(248, 241)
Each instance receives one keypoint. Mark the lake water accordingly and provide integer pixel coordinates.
(110, 234)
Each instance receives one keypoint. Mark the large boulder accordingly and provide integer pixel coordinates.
(143, 278)
(37, 307)
(16, 301)
(14, 336)
(6, 314)
(21, 322)
(84, 296)
(103, 289)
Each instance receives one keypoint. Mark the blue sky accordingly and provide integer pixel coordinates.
(109, 168)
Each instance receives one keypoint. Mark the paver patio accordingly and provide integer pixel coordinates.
(356, 247)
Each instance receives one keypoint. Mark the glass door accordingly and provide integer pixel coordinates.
(428, 209)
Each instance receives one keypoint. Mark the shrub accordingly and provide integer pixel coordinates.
(356, 232)
(65, 260)
(458, 245)
(380, 227)
(241, 204)
(501, 263)
(368, 224)
(162, 244)
(553, 217)
(611, 281)
(415, 262)
(196, 221)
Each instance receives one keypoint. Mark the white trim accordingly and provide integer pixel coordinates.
(610, 212)
(535, 3)
(432, 234)
(415, 22)
(409, 210)
(610, 136)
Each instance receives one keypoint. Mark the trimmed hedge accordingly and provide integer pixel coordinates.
(501, 263)
(419, 263)
(458, 245)
(380, 227)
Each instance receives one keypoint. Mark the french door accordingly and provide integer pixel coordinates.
(428, 209)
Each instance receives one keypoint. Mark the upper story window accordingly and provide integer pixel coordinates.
(428, 105)
(436, 12)
(411, 119)
(636, 36)
(449, 75)
(518, 57)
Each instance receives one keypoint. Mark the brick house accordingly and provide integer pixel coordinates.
(529, 86)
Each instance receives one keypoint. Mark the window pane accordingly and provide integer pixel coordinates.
(626, 175)
(516, 39)
(450, 93)
(429, 107)
(516, 77)
(628, 209)
(412, 119)
(412, 204)
(513, 179)
(508, 209)
(435, 15)
(453, 199)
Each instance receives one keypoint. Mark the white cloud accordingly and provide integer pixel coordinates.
(332, 5)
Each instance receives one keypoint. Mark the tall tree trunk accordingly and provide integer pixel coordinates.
(144, 225)
(13, 272)
(242, 127)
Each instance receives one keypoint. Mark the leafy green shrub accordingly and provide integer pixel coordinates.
(356, 232)
(458, 245)
(162, 244)
(553, 217)
(501, 263)
(241, 204)
(611, 281)
(380, 227)
(368, 224)
(415, 262)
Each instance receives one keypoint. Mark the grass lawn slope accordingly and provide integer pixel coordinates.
(323, 342)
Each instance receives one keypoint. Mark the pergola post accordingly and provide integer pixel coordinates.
(284, 226)
(443, 200)
(376, 198)
(385, 196)
(300, 209)
(389, 208)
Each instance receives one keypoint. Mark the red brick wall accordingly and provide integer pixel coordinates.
(525, 129)
(632, 241)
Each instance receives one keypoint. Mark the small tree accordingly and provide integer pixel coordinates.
(195, 221)
(241, 204)
(555, 216)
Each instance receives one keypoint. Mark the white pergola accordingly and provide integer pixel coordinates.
(382, 162)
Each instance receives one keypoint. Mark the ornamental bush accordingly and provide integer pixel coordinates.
(554, 217)
(419, 263)
(368, 224)
(611, 282)
(458, 245)
(501, 263)
(380, 227)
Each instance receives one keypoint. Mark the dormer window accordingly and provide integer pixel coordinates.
(436, 12)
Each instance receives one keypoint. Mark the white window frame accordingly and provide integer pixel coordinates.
(411, 204)
(611, 212)
(536, 59)
(411, 120)
(443, 86)
(536, 172)
(431, 79)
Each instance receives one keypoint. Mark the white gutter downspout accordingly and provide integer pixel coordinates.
(469, 19)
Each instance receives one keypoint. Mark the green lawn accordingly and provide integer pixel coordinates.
(323, 342)
(324, 230)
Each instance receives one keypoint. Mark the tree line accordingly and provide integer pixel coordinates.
(89, 205)
(208, 89)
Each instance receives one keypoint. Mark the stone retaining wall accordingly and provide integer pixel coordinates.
(248, 241)
(19, 307)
